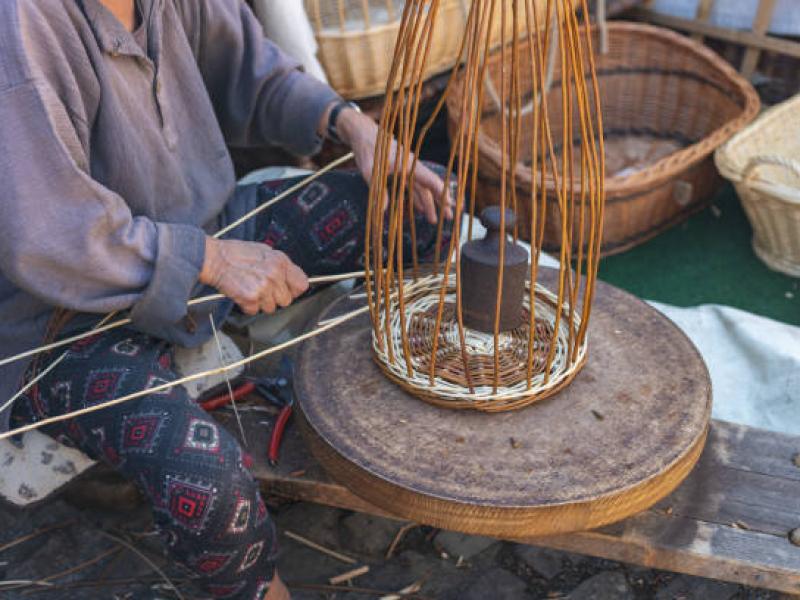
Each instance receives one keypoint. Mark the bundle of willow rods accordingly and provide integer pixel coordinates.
(529, 29)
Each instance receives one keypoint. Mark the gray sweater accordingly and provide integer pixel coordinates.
(114, 162)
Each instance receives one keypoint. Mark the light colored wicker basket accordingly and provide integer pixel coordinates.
(763, 162)
(668, 102)
(356, 40)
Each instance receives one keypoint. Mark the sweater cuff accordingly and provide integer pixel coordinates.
(179, 260)
(305, 104)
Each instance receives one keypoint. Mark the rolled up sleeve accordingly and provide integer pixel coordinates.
(260, 95)
(69, 240)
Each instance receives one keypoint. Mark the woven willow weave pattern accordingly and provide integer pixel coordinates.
(419, 337)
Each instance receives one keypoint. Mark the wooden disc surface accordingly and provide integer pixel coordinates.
(622, 436)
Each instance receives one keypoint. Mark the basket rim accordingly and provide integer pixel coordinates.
(336, 34)
(676, 162)
(727, 164)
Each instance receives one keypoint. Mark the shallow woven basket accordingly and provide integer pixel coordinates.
(668, 102)
(356, 40)
(763, 162)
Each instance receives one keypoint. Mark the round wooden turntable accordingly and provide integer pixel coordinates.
(622, 436)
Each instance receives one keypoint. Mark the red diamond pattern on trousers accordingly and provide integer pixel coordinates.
(210, 564)
(226, 591)
(190, 504)
(140, 432)
(102, 385)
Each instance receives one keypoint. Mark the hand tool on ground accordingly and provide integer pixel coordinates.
(276, 390)
(280, 392)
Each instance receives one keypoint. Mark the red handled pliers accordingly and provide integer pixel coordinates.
(223, 399)
(276, 390)
(280, 392)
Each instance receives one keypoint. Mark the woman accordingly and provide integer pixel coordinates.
(115, 119)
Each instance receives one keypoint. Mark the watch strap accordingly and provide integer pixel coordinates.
(332, 131)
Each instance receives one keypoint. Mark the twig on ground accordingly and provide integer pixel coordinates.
(37, 533)
(147, 560)
(72, 570)
(332, 553)
(18, 583)
(401, 533)
(349, 575)
(406, 592)
(107, 583)
(321, 587)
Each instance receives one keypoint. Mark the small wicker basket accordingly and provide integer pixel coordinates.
(356, 40)
(668, 102)
(763, 162)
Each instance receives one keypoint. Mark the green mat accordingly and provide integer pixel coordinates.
(707, 260)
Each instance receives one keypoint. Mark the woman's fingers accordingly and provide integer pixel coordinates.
(296, 280)
(281, 294)
(425, 204)
(268, 305)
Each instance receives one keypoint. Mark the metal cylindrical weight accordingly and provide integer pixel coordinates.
(480, 265)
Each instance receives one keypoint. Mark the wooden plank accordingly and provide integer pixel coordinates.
(766, 8)
(702, 15)
(729, 520)
(755, 450)
(699, 548)
(746, 38)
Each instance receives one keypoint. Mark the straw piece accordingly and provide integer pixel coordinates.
(319, 548)
(349, 575)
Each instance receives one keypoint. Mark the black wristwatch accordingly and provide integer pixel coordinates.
(333, 132)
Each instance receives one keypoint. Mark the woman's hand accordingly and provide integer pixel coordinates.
(361, 134)
(252, 274)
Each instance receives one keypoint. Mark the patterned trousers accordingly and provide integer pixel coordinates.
(193, 472)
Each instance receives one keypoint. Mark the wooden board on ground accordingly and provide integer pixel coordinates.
(729, 520)
(619, 438)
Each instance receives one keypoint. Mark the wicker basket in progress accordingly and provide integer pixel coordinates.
(763, 162)
(668, 102)
(356, 40)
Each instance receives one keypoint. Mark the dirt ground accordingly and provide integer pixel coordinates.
(82, 551)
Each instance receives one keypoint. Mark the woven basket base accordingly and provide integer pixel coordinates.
(470, 384)
(620, 437)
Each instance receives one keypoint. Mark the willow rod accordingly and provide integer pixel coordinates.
(189, 378)
(411, 116)
(471, 68)
(298, 186)
(127, 321)
(376, 198)
(562, 198)
(412, 66)
(532, 22)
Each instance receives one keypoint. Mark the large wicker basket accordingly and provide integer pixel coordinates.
(763, 162)
(668, 102)
(356, 40)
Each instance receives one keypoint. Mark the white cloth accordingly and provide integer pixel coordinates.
(754, 364)
(286, 23)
